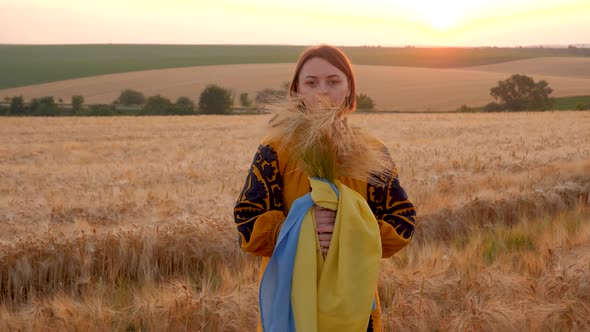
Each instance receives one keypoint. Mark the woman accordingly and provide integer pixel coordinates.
(275, 182)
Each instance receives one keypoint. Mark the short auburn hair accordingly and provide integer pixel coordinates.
(336, 58)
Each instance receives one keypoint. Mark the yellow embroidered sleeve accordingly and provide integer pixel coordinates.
(395, 214)
(259, 210)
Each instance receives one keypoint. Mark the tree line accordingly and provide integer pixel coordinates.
(214, 99)
(516, 93)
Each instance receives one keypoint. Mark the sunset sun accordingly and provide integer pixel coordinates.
(443, 22)
(442, 16)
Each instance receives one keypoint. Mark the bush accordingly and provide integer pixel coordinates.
(215, 100)
(44, 106)
(494, 107)
(520, 92)
(580, 106)
(103, 110)
(364, 102)
(17, 105)
(130, 97)
(244, 100)
(157, 105)
(77, 103)
(465, 109)
(184, 106)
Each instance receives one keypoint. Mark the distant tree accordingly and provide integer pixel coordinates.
(520, 92)
(44, 106)
(580, 106)
(494, 107)
(34, 104)
(465, 109)
(130, 97)
(184, 105)
(157, 105)
(573, 49)
(77, 103)
(215, 100)
(244, 100)
(102, 110)
(17, 105)
(364, 102)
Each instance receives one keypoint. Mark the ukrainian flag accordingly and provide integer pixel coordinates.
(303, 291)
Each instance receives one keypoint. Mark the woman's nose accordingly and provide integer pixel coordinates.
(322, 95)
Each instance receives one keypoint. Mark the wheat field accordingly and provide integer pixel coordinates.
(126, 223)
(392, 88)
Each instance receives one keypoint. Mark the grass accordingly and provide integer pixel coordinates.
(569, 103)
(33, 64)
(559, 104)
(502, 241)
(23, 65)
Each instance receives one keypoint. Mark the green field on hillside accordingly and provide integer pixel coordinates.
(570, 103)
(22, 65)
(559, 104)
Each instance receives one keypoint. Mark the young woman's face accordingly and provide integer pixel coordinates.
(320, 81)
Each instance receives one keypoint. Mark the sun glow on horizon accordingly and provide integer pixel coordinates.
(342, 22)
(440, 16)
(444, 20)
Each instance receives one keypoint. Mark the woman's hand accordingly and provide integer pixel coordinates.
(325, 220)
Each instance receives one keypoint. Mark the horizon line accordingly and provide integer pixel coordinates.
(306, 45)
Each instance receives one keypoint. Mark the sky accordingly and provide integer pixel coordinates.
(297, 22)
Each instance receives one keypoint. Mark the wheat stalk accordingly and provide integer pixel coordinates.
(324, 143)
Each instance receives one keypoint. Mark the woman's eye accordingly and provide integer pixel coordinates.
(334, 82)
(310, 83)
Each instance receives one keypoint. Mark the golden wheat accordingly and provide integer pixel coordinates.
(126, 223)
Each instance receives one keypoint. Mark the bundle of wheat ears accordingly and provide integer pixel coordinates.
(325, 145)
